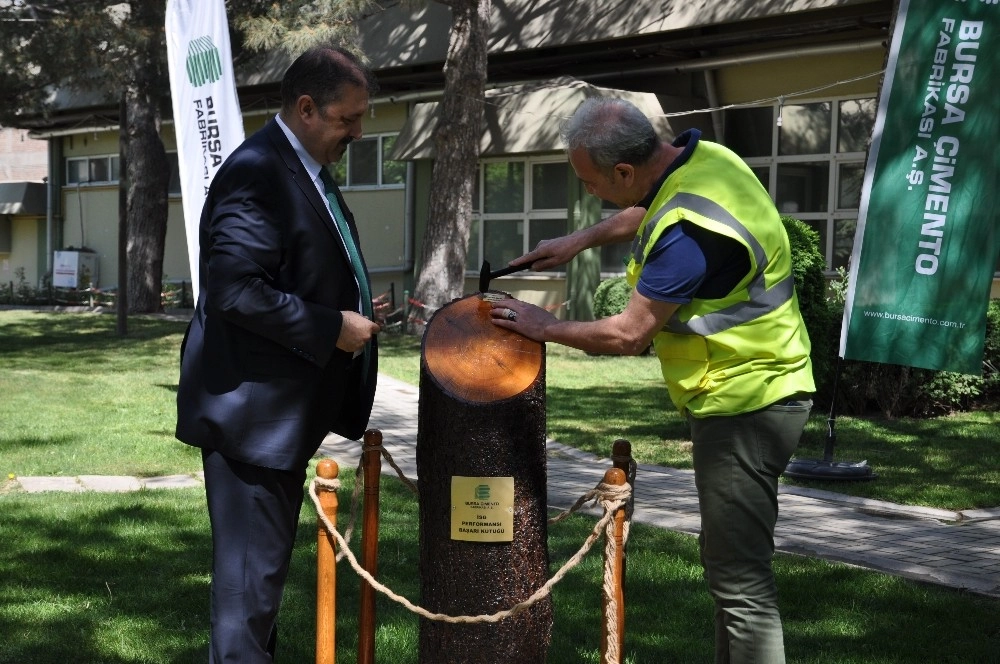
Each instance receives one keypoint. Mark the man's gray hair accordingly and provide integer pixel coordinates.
(611, 131)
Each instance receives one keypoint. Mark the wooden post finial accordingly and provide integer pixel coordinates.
(328, 469)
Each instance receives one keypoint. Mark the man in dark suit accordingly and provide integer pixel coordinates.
(280, 350)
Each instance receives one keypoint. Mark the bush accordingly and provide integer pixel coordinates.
(901, 391)
(611, 297)
(991, 353)
(808, 264)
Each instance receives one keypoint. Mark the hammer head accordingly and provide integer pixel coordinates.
(484, 277)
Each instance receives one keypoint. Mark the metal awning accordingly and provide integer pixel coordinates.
(521, 119)
(26, 198)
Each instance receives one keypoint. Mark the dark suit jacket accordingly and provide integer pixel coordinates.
(262, 380)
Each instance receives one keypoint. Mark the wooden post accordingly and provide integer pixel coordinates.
(326, 569)
(369, 540)
(481, 460)
(615, 476)
(621, 454)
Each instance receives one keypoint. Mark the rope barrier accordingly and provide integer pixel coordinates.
(591, 496)
(399, 471)
(359, 484)
(611, 497)
(612, 656)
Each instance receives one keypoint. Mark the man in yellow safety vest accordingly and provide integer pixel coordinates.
(710, 268)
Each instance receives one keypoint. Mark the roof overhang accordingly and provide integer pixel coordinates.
(521, 119)
(402, 35)
(24, 198)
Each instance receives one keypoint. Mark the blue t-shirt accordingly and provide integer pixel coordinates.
(689, 261)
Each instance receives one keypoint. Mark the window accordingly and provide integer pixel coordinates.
(92, 170)
(614, 256)
(174, 185)
(365, 164)
(811, 158)
(516, 205)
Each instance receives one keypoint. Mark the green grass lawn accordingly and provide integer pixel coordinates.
(80, 400)
(124, 578)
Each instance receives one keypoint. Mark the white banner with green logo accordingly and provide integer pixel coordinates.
(207, 121)
(926, 245)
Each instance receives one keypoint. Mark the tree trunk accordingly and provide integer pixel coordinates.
(121, 304)
(456, 143)
(149, 174)
(481, 427)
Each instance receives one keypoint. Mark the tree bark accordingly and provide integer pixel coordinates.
(121, 305)
(481, 415)
(456, 143)
(149, 175)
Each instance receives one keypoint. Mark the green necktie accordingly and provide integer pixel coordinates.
(352, 252)
(352, 249)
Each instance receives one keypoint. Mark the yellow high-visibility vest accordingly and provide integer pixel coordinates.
(749, 349)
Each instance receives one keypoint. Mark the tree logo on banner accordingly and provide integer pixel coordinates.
(203, 62)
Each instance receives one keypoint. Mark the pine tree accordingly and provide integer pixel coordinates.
(457, 134)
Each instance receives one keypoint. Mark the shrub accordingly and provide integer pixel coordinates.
(991, 353)
(611, 297)
(808, 264)
(901, 391)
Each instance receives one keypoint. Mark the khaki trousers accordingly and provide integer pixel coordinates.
(737, 461)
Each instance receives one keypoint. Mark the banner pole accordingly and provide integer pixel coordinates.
(831, 420)
(826, 468)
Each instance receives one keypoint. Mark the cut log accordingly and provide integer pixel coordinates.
(481, 429)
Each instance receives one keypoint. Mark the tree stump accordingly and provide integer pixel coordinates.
(481, 423)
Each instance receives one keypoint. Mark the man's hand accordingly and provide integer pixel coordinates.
(355, 332)
(525, 319)
(627, 333)
(548, 254)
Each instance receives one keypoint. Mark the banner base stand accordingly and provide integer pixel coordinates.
(821, 469)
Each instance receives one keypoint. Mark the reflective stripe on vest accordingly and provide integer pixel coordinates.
(762, 300)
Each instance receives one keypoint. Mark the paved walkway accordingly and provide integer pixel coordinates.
(956, 549)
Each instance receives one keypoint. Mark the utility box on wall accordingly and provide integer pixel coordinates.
(75, 269)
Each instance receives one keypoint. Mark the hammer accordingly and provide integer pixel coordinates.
(485, 276)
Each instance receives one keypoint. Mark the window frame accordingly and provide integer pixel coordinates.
(112, 164)
(832, 215)
(345, 165)
(525, 216)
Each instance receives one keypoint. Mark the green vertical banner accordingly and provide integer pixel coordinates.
(926, 244)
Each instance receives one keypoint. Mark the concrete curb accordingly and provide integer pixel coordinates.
(108, 483)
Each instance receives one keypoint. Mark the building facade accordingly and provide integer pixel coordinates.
(23, 189)
(790, 85)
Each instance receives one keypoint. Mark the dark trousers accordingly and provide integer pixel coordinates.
(737, 461)
(254, 513)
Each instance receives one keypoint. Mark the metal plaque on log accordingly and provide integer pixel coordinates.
(482, 509)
